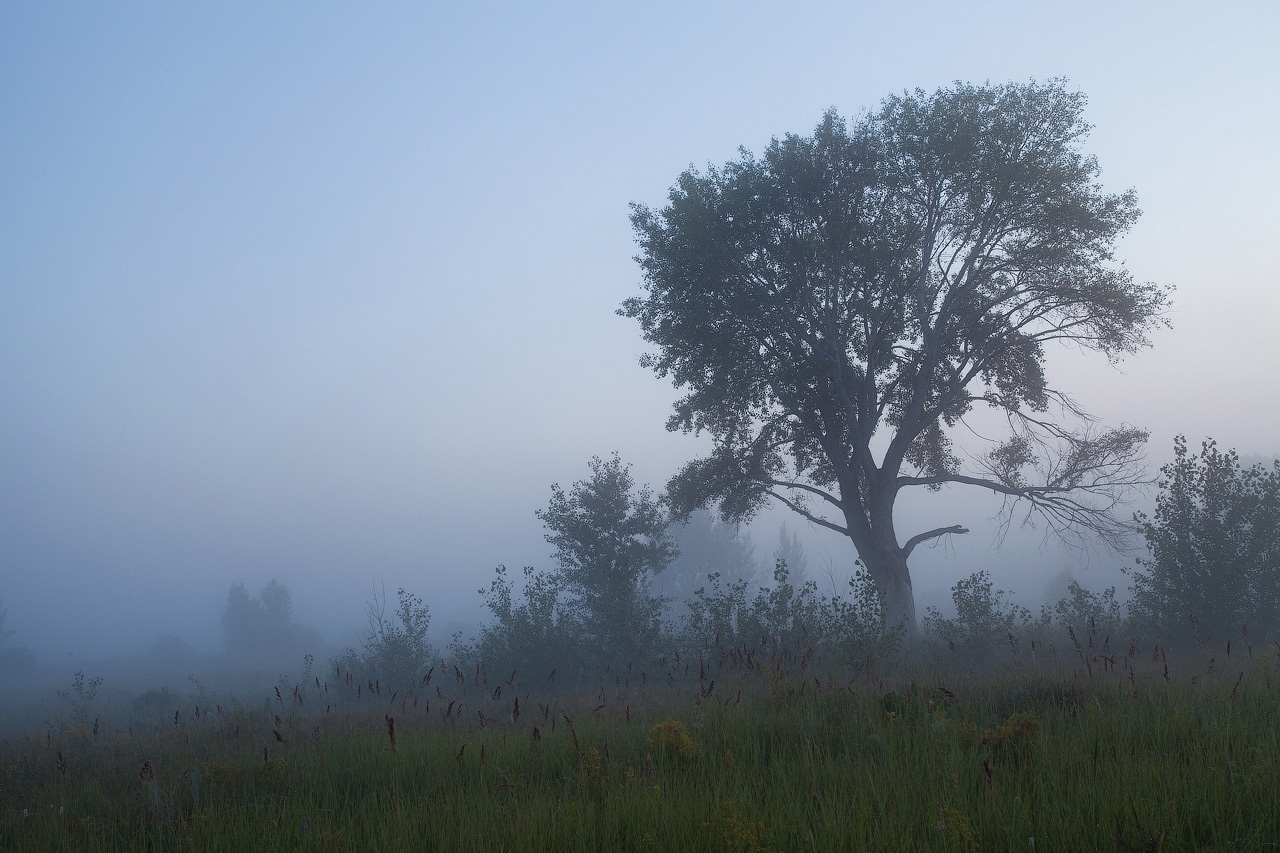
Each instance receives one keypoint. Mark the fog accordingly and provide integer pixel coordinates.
(328, 296)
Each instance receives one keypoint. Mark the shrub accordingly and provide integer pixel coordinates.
(1089, 613)
(984, 618)
(850, 631)
(533, 634)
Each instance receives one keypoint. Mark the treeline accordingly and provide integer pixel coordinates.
(629, 584)
(1211, 574)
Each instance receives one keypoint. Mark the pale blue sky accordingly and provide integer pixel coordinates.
(325, 292)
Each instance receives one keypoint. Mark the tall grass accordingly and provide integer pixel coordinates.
(732, 751)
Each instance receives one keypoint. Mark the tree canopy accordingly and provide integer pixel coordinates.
(834, 309)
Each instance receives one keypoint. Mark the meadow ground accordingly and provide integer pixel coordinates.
(735, 751)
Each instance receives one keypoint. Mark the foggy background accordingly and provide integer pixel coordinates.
(326, 295)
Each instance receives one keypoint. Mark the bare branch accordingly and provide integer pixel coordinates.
(930, 534)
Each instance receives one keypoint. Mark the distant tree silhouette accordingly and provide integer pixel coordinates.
(263, 627)
(790, 550)
(14, 660)
(706, 545)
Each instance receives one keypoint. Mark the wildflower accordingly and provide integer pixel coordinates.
(1019, 727)
(672, 738)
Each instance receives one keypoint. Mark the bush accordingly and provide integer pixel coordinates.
(984, 618)
(534, 636)
(782, 614)
(858, 629)
(1089, 613)
(671, 738)
(846, 631)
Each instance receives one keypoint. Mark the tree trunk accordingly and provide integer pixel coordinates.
(876, 541)
(893, 582)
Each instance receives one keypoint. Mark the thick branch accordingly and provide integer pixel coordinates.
(930, 534)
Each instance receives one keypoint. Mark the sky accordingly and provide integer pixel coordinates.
(326, 292)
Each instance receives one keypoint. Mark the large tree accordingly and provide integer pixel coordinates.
(835, 308)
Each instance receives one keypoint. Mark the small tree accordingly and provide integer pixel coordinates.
(1214, 546)
(611, 540)
(396, 650)
(81, 698)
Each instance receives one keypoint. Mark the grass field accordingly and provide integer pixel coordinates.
(729, 752)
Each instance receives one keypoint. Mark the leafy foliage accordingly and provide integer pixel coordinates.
(81, 697)
(533, 634)
(1214, 546)
(1089, 613)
